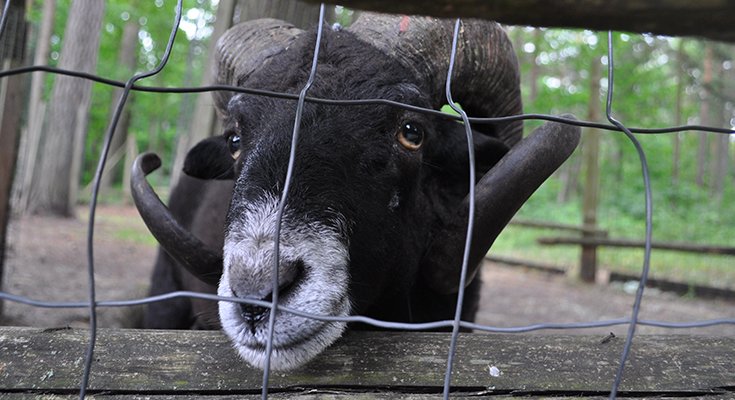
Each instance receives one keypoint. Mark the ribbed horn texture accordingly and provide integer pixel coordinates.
(179, 243)
(485, 82)
(245, 48)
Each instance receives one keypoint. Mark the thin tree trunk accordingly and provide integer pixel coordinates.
(185, 118)
(570, 178)
(131, 151)
(51, 191)
(722, 163)
(535, 67)
(127, 60)
(720, 143)
(203, 122)
(675, 139)
(27, 155)
(704, 117)
(11, 104)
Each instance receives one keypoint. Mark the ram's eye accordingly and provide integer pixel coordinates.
(411, 135)
(233, 143)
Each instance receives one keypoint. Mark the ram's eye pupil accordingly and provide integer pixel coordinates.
(411, 135)
(233, 142)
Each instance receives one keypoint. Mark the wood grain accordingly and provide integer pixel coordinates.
(705, 18)
(382, 364)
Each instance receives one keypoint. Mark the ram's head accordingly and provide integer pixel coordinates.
(376, 215)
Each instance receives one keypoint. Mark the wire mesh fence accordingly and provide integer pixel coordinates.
(613, 125)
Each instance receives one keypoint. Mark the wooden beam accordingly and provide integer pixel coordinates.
(706, 18)
(557, 226)
(530, 264)
(185, 364)
(607, 242)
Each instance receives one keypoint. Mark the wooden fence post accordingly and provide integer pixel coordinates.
(588, 257)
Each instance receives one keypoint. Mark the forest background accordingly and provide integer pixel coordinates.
(659, 81)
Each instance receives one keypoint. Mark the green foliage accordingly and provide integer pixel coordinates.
(650, 72)
(156, 118)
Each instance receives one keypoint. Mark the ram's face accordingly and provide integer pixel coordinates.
(354, 181)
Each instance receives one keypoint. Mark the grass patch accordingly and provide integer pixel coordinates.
(697, 223)
(135, 235)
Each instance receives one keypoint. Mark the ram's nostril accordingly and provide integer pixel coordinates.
(253, 314)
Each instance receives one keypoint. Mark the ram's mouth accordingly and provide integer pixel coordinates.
(306, 335)
(296, 339)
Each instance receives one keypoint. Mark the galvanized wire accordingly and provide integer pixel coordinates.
(301, 98)
(363, 319)
(649, 217)
(470, 217)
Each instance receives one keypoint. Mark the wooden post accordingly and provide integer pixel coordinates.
(588, 257)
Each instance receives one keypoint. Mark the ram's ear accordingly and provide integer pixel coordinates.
(451, 152)
(210, 159)
(488, 151)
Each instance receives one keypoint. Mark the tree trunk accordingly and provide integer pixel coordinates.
(535, 67)
(675, 139)
(27, 154)
(12, 48)
(720, 143)
(185, 118)
(204, 119)
(54, 179)
(131, 152)
(127, 60)
(570, 178)
(722, 163)
(704, 116)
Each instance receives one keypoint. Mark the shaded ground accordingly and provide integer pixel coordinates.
(47, 261)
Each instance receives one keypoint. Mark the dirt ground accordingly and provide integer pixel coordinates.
(46, 260)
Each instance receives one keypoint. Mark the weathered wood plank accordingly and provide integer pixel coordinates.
(313, 394)
(187, 362)
(322, 395)
(710, 19)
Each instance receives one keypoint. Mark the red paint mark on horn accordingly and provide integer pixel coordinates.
(403, 25)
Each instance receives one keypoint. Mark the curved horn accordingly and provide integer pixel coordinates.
(246, 47)
(485, 80)
(499, 195)
(179, 243)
